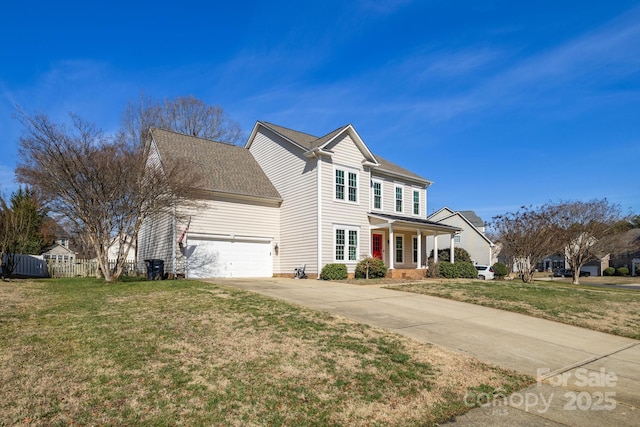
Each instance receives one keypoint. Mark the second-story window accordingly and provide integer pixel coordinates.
(353, 187)
(377, 194)
(346, 185)
(416, 202)
(339, 184)
(398, 199)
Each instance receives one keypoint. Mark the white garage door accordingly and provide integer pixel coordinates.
(228, 258)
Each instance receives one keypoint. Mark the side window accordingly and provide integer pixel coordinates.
(416, 202)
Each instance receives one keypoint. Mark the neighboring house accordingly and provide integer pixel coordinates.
(629, 257)
(290, 199)
(471, 236)
(59, 251)
(115, 247)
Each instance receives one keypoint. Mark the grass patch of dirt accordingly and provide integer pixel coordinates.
(610, 310)
(78, 351)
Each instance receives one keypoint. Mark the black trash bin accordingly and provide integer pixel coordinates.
(155, 269)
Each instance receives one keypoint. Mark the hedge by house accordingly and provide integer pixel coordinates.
(334, 272)
(370, 268)
(457, 270)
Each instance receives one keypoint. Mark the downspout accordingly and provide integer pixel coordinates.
(174, 231)
(319, 215)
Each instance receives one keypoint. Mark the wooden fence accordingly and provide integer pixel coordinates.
(86, 268)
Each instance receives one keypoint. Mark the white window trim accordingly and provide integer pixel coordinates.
(413, 195)
(395, 198)
(346, 171)
(346, 229)
(373, 206)
(414, 251)
(395, 249)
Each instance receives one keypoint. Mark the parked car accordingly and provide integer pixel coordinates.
(558, 272)
(485, 272)
(569, 273)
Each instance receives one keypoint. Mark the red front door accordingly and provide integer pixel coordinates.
(377, 246)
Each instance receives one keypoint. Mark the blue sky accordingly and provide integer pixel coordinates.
(500, 103)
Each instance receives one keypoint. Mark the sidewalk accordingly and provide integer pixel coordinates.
(592, 378)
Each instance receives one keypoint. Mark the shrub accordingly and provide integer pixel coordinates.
(500, 270)
(433, 269)
(459, 254)
(447, 270)
(370, 268)
(609, 271)
(466, 270)
(622, 271)
(334, 272)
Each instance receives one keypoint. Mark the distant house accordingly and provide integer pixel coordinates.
(471, 236)
(628, 257)
(59, 251)
(290, 199)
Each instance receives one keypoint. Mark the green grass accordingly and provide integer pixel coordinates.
(611, 310)
(78, 351)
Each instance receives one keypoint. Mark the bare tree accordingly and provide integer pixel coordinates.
(183, 114)
(102, 185)
(585, 231)
(525, 238)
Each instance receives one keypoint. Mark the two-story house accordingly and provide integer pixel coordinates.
(302, 200)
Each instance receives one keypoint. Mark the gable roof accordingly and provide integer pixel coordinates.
(245, 177)
(451, 213)
(311, 142)
(473, 218)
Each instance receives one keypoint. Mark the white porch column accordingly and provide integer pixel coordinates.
(451, 251)
(392, 247)
(419, 249)
(435, 248)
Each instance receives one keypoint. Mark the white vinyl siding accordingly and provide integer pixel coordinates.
(377, 197)
(294, 177)
(155, 238)
(348, 157)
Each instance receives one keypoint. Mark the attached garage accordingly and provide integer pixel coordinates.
(208, 258)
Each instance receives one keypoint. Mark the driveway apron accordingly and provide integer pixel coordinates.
(586, 378)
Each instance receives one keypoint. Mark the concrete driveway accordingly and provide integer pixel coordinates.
(588, 378)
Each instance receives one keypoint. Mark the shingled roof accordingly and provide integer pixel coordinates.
(226, 168)
(310, 142)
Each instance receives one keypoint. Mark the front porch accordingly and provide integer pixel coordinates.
(401, 243)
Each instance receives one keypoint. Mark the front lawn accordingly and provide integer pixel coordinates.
(77, 351)
(615, 311)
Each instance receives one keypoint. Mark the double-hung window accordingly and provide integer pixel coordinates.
(348, 179)
(399, 249)
(416, 202)
(377, 194)
(346, 243)
(398, 199)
